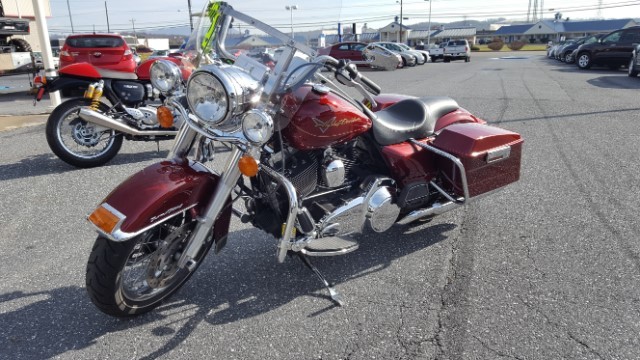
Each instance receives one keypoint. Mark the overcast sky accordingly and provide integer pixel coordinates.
(148, 14)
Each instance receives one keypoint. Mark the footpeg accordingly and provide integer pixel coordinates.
(330, 246)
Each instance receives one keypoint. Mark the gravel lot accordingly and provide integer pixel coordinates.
(546, 269)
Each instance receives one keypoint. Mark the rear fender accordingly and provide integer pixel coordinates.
(62, 83)
(160, 192)
(457, 117)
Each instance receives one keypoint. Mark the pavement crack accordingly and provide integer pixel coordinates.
(585, 345)
(495, 351)
(559, 327)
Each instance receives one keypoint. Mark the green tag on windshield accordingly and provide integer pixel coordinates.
(214, 15)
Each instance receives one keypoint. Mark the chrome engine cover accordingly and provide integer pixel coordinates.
(333, 173)
(375, 207)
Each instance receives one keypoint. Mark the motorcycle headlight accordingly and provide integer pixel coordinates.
(219, 94)
(257, 126)
(165, 76)
(207, 98)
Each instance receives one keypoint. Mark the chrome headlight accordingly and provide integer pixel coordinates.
(207, 98)
(165, 76)
(217, 94)
(257, 126)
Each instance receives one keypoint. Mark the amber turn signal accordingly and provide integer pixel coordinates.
(248, 166)
(165, 117)
(104, 219)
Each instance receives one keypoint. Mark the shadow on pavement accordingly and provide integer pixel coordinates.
(45, 164)
(615, 82)
(239, 283)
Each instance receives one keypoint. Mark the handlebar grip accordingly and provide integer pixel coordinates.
(371, 86)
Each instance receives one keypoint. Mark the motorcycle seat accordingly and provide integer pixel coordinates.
(410, 118)
(111, 74)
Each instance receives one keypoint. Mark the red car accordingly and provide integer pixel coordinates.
(107, 51)
(345, 50)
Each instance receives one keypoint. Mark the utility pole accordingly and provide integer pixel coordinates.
(70, 18)
(429, 33)
(107, 12)
(400, 21)
(135, 35)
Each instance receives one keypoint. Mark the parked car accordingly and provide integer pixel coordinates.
(457, 50)
(379, 57)
(37, 59)
(560, 51)
(634, 64)
(612, 50)
(107, 51)
(436, 51)
(425, 54)
(348, 50)
(159, 53)
(409, 57)
(569, 52)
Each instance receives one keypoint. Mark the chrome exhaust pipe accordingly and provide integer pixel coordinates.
(99, 119)
(436, 209)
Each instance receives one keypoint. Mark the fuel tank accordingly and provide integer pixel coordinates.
(315, 119)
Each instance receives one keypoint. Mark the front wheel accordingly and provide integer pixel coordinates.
(78, 142)
(129, 278)
(584, 61)
(632, 72)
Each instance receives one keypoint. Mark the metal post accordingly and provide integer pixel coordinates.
(429, 33)
(107, 13)
(291, 8)
(70, 18)
(190, 16)
(400, 21)
(135, 35)
(47, 56)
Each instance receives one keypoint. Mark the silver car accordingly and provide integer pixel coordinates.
(425, 54)
(409, 57)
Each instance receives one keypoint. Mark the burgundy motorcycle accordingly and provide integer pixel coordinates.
(124, 106)
(311, 164)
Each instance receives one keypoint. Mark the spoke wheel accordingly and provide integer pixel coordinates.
(78, 142)
(133, 277)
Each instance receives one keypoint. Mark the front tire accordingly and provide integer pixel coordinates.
(129, 278)
(631, 72)
(78, 142)
(20, 45)
(584, 61)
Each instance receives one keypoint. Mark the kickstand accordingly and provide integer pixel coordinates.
(335, 295)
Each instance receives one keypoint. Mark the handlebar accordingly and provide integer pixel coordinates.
(352, 70)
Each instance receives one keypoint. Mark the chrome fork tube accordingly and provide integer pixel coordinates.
(224, 188)
(185, 137)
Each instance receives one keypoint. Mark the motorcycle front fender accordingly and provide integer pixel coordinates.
(156, 194)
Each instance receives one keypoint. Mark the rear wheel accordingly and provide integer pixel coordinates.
(78, 142)
(133, 277)
(467, 59)
(20, 45)
(584, 61)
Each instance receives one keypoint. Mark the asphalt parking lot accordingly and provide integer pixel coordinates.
(546, 269)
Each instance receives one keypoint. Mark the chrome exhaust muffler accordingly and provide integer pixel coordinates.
(435, 209)
(99, 119)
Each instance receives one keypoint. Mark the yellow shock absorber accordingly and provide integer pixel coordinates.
(95, 98)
